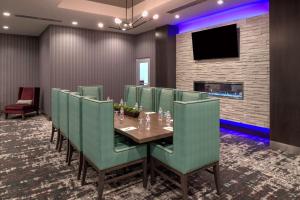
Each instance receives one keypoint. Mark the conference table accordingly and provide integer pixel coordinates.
(129, 127)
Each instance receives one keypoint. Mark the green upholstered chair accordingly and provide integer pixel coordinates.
(63, 101)
(164, 98)
(100, 149)
(196, 142)
(91, 91)
(147, 98)
(54, 114)
(75, 129)
(131, 94)
(191, 95)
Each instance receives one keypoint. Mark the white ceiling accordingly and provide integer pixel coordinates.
(90, 13)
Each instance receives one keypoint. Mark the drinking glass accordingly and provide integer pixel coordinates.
(122, 114)
(160, 114)
(148, 122)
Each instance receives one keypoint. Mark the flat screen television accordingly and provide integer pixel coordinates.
(222, 42)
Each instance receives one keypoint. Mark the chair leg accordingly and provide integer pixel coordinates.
(61, 140)
(68, 152)
(58, 139)
(71, 150)
(23, 116)
(101, 177)
(152, 172)
(184, 186)
(80, 166)
(6, 115)
(52, 134)
(216, 169)
(84, 171)
(145, 173)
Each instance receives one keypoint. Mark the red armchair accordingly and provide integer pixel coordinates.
(28, 101)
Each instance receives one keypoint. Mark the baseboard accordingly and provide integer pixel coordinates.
(284, 147)
(47, 116)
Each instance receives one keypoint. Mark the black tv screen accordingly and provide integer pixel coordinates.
(222, 42)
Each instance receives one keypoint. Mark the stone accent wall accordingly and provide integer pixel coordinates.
(252, 68)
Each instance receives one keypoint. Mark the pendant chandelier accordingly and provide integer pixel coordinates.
(131, 23)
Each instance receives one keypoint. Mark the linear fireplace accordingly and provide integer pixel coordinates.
(232, 90)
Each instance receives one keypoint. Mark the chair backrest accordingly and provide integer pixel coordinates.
(30, 93)
(98, 131)
(131, 95)
(164, 98)
(75, 120)
(55, 106)
(191, 95)
(147, 99)
(92, 91)
(196, 133)
(63, 112)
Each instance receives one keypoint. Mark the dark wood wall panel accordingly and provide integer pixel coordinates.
(145, 48)
(166, 56)
(19, 65)
(45, 71)
(285, 71)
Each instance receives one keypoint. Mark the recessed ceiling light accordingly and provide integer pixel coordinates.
(145, 13)
(123, 29)
(177, 16)
(5, 27)
(220, 2)
(125, 25)
(6, 14)
(100, 25)
(130, 24)
(155, 17)
(74, 23)
(118, 21)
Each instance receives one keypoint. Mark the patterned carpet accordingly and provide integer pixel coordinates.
(30, 168)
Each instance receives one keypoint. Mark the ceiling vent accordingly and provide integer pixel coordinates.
(39, 18)
(188, 5)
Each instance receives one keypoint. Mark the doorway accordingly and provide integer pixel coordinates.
(143, 71)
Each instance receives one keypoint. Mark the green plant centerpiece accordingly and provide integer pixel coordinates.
(129, 111)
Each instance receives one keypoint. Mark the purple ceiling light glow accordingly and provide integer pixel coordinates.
(225, 16)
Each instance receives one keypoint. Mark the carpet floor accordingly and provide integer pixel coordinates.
(31, 168)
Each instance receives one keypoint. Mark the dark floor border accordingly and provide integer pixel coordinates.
(284, 147)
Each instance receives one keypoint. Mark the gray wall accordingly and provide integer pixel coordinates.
(86, 57)
(19, 65)
(67, 57)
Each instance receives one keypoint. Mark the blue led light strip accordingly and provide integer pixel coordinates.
(263, 130)
(244, 11)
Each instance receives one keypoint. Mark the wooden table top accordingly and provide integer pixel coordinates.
(142, 135)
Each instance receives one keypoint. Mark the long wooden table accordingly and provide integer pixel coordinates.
(142, 135)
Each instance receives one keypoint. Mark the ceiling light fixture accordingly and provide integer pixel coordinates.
(5, 27)
(220, 2)
(100, 25)
(74, 23)
(145, 13)
(131, 22)
(177, 16)
(6, 14)
(118, 21)
(155, 17)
